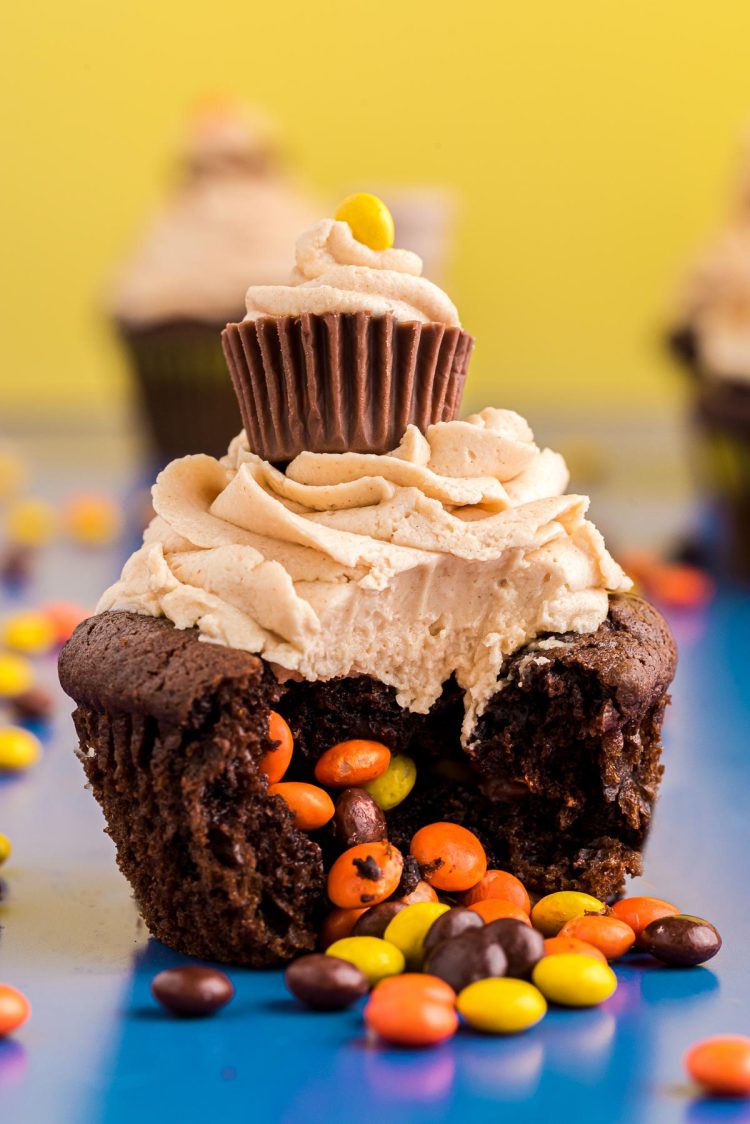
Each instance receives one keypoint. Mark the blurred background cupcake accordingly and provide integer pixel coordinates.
(231, 221)
(710, 335)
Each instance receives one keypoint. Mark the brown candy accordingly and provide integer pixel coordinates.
(523, 946)
(358, 819)
(451, 924)
(375, 920)
(326, 983)
(681, 939)
(34, 705)
(192, 991)
(464, 959)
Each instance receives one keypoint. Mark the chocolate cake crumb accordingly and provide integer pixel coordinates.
(368, 869)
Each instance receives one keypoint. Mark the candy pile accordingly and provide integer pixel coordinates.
(435, 935)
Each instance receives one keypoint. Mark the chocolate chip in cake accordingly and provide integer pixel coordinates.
(368, 869)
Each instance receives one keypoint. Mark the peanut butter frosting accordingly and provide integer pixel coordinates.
(336, 273)
(442, 557)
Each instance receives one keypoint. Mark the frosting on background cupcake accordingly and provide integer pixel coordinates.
(440, 558)
(232, 219)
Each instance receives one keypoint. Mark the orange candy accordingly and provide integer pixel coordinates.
(612, 936)
(412, 1010)
(14, 1009)
(422, 892)
(639, 912)
(64, 617)
(276, 762)
(365, 875)
(339, 924)
(311, 806)
(499, 884)
(451, 857)
(352, 763)
(721, 1065)
(490, 909)
(559, 946)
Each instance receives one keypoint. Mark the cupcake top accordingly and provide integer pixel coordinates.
(715, 301)
(347, 264)
(442, 557)
(231, 220)
(715, 305)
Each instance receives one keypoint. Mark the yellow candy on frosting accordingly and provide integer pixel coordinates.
(369, 219)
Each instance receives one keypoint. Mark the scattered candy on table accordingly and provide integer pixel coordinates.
(501, 1006)
(93, 518)
(65, 616)
(681, 940)
(16, 675)
(638, 912)
(451, 856)
(611, 935)
(573, 980)
(376, 957)
(19, 749)
(192, 991)
(34, 705)
(326, 983)
(499, 884)
(721, 1065)
(408, 929)
(31, 633)
(412, 1010)
(30, 522)
(552, 911)
(15, 1009)
(5, 848)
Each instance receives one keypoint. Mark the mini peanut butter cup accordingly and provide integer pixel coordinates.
(342, 382)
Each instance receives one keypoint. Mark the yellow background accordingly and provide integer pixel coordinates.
(592, 142)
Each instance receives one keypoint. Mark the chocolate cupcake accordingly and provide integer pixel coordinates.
(710, 336)
(447, 598)
(230, 221)
(355, 349)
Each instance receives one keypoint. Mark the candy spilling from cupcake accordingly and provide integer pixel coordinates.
(363, 566)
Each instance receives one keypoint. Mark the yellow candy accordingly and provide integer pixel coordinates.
(31, 633)
(19, 749)
(551, 912)
(573, 980)
(16, 675)
(395, 784)
(370, 220)
(30, 522)
(93, 519)
(377, 958)
(409, 928)
(5, 848)
(501, 1006)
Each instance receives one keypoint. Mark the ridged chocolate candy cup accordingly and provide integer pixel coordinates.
(342, 382)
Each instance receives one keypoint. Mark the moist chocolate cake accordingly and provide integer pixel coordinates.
(558, 781)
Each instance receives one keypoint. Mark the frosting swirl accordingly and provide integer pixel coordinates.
(336, 273)
(440, 558)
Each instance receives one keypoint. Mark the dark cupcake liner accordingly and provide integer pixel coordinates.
(187, 401)
(342, 382)
(721, 452)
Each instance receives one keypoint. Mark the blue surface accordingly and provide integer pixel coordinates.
(98, 1050)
